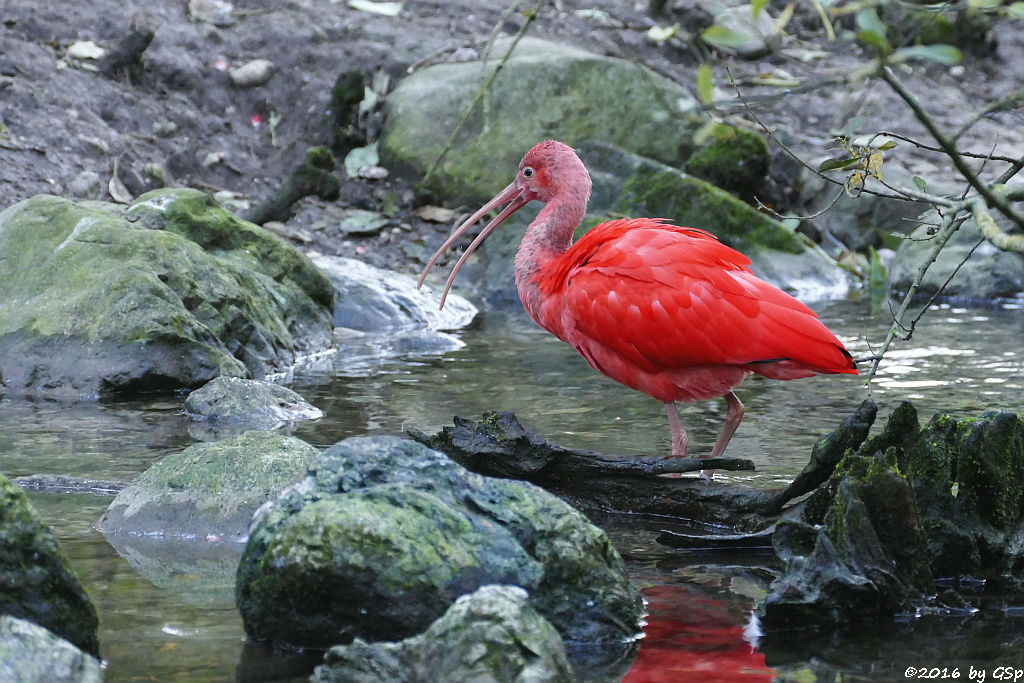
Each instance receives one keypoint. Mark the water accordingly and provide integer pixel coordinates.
(176, 621)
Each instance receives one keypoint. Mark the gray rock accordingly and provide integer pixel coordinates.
(492, 634)
(248, 404)
(164, 295)
(86, 185)
(252, 73)
(649, 114)
(209, 490)
(372, 299)
(384, 534)
(989, 274)
(750, 36)
(38, 584)
(380, 314)
(30, 653)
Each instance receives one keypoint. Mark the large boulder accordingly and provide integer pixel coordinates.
(384, 534)
(29, 652)
(35, 581)
(544, 90)
(162, 295)
(492, 634)
(209, 490)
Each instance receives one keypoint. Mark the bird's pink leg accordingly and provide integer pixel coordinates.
(733, 416)
(680, 442)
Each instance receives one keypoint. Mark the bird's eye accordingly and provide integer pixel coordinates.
(528, 172)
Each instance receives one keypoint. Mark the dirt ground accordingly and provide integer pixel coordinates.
(67, 122)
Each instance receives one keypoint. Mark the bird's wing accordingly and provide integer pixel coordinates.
(666, 297)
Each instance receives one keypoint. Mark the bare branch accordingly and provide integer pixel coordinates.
(950, 224)
(950, 149)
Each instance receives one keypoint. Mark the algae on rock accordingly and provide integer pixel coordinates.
(490, 634)
(384, 534)
(37, 584)
(163, 295)
(908, 506)
(209, 489)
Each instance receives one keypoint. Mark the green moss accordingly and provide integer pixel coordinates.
(171, 293)
(666, 193)
(731, 158)
(47, 592)
(645, 115)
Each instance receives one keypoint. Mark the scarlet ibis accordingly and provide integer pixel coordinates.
(666, 310)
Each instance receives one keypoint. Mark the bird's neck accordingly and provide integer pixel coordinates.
(547, 239)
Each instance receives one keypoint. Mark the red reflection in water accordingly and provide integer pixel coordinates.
(690, 637)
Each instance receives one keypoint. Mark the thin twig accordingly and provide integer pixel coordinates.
(932, 148)
(1005, 104)
(938, 292)
(484, 87)
(950, 224)
(991, 198)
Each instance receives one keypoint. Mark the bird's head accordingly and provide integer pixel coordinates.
(548, 171)
(552, 168)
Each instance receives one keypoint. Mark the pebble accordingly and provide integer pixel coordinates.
(253, 73)
(85, 185)
(164, 128)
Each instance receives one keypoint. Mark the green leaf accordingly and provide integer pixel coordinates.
(756, 6)
(872, 30)
(705, 83)
(659, 34)
(837, 162)
(984, 4)
(1015, 10)
(720, 36)
(921, 184)
(938, 53)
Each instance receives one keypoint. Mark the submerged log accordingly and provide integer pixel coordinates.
(498, 445)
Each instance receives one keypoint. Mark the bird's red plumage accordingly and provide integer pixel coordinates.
(669, 311)
(673, 312)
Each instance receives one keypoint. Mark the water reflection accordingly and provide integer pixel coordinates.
(959, 361)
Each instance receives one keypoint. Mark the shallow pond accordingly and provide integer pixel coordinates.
(163, 617)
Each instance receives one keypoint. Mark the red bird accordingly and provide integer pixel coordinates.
(665, 310)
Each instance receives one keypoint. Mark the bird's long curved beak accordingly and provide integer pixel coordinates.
(515, 196)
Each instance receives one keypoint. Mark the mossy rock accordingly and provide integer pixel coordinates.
(731, 158)
(544, 90)
(163, 295)
(384, 534)
(209, 489)
(36, 583)
(492, 634)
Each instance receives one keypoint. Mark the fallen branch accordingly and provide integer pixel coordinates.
(498, 445)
